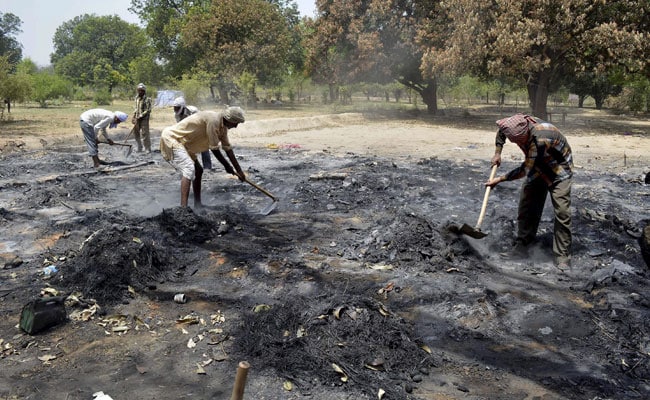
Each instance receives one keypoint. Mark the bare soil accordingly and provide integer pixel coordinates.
(354, 287)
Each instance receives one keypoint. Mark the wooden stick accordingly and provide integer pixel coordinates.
(240, 381)
(485, 198)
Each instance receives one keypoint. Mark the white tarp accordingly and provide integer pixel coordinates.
(165, 98)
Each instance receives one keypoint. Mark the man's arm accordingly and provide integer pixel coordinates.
(498, 147)
(229, 169)
(231, 156)
(222, 160)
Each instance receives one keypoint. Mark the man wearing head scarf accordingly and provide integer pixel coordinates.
(96, 121)
(547, 169)
(205, 130)
(140, 119)
(182, 111)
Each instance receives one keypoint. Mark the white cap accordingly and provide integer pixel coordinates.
(142, 86)
(234, 115)
(179, 102)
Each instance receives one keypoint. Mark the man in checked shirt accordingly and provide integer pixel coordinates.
(547, 169)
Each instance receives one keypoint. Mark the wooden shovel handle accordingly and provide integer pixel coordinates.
(485, 198)
(240, 381)
(261, 189)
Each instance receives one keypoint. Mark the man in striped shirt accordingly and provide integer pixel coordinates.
(547, 169)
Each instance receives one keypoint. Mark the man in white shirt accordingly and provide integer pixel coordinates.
(96, 121)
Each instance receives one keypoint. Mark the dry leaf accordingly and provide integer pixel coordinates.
(47, 357)
(383, 311)
(137, 240)
(301, 332)
(188, 319)
(288, 386)
(191, 344)
(338, 369)
(206, 362)
(49, 291)
(261, 307)
(337, 311)
(380, 394)
(426, 348)
(381, 267)
(199, 369)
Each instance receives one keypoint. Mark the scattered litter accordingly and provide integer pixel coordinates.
(50, 271)
(180, 298)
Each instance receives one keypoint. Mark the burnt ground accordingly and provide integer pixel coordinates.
(352, 287)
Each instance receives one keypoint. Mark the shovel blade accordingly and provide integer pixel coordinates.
(129, 151)
(267, 210)
(470, 231)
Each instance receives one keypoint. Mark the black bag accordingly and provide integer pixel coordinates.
(41, 314)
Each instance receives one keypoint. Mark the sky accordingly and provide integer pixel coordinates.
(41, 18)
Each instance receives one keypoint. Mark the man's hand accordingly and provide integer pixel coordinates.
(496, 159)
(493, 182)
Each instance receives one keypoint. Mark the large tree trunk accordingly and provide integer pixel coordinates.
(429, 93)
(223, 94)
(538, 93)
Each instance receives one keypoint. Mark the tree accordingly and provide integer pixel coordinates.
(371, 41)
(540, 41)
(47, 86)
(9, 46)
(92, 50)
(234, 37)
(599, 87)
(163, 21)
(13, 86)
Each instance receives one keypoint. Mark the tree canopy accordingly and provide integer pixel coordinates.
(369, 41)
(97, 50)
(541, 41)
(9, 45)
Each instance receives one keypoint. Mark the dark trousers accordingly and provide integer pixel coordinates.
(206, 160)
(531, 204)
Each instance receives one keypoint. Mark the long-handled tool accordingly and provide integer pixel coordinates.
(475, 231)
(266, 210)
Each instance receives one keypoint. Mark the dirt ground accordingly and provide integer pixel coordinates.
(354, 287)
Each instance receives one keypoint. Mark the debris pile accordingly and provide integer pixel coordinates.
(114, 259)
(339, 340)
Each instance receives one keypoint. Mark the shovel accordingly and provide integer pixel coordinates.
(266, 210)
(475, 231)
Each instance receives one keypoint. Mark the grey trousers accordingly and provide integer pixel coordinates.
(141, 134)
(89, 137)
(531, 204)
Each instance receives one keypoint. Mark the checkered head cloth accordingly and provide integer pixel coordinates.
(516, 128)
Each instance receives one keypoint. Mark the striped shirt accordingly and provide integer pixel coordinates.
(548, 156)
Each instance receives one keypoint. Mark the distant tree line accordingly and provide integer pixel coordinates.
(231, 47)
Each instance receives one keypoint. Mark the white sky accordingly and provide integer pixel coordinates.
(42, 17)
